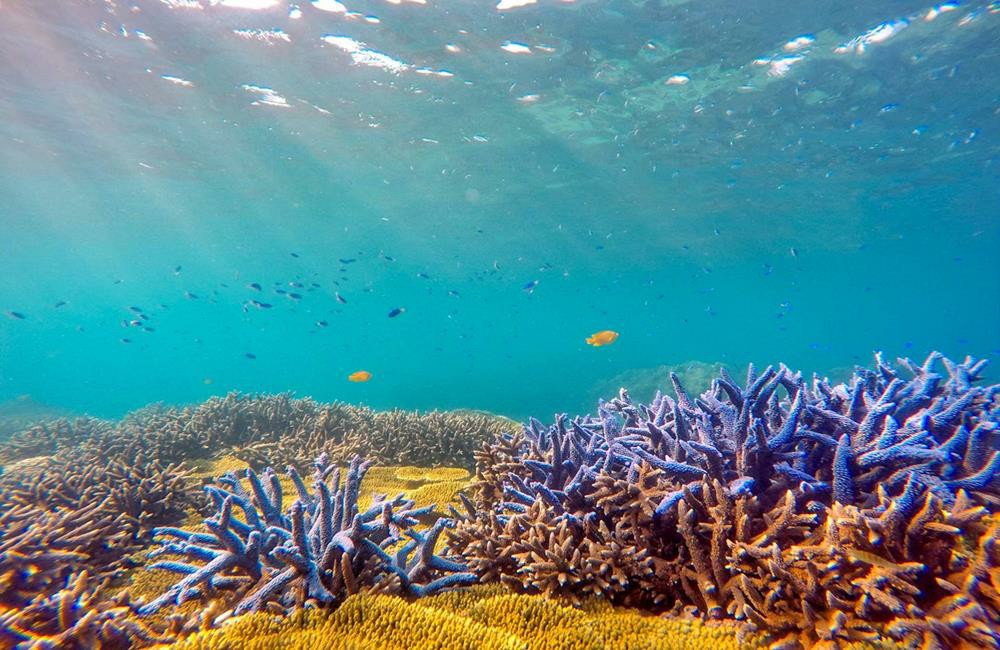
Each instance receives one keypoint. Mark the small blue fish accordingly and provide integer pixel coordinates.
(342, 300)
(250, 355)
(295, 296)
(321, 323)
(396, 312)
(59, 304)
(423, 275)
(530, 287)
(348, 260)
(190, 296)
(294, 254)
(126, 340)
(137, 310)
(15, 314)
(253, 285)
(177, 270)
(260, 305)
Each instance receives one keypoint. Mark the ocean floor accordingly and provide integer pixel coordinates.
(768, 512)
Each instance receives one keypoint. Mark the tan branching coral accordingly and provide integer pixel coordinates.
(80, 616)
(264, 430)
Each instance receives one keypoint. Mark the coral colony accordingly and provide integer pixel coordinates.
(799, 514)
(814, 513)
(319, 551)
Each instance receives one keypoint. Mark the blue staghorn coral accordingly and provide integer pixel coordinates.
(318, 551)
(819, 513)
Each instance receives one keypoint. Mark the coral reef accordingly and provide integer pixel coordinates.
(316, 552)
(820, 514)
(56, 520)
(481, 617)
(268, 430)
(51, 436)
(79, 616)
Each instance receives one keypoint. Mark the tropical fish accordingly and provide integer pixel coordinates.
(342, 300)
(15, 314)
(359, 377)
(396, 312)
(321, 323)
(253, 285)
(530, 287)
(604, 337)
(250, 355)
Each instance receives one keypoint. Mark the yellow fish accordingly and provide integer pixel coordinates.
(359, 376)
(604, 337)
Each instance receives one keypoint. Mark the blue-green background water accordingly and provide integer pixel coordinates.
(799, 210)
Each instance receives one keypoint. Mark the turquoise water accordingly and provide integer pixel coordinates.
(687, 174)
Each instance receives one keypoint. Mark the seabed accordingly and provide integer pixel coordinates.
(773, 512)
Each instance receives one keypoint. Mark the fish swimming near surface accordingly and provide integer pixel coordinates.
(15, 314)
(342, 300)
(530, 287)
(254, 285)
(359, 377)
(397, 311)
(604, 337)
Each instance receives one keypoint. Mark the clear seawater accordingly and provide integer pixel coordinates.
(690, 174)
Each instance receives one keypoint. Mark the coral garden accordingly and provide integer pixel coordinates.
(269, 430)
(781, 512)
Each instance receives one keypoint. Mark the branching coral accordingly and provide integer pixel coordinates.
(317, 551)
(821, 514)
(268, 430)
(49, 437)
(79, 616)
(56, 520)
